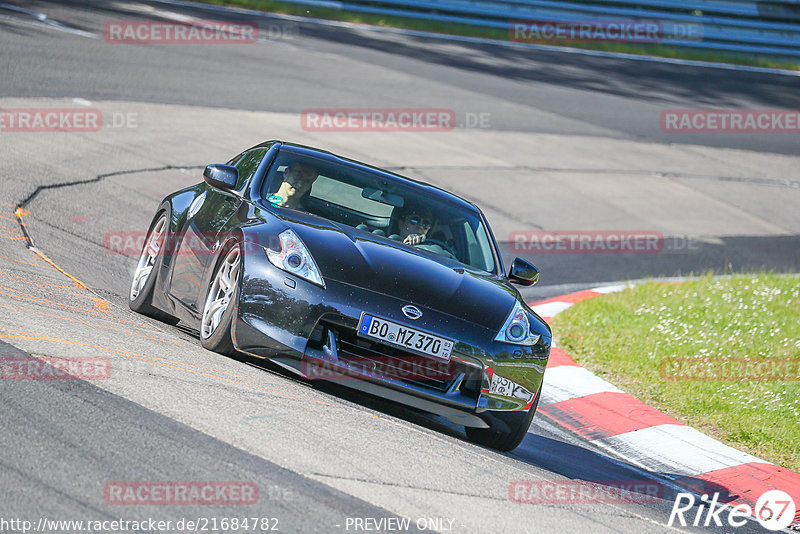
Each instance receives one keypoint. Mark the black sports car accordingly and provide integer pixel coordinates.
(341, 271)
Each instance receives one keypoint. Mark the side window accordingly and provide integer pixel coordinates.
(247, 165)
(486, 248)
(479, 248)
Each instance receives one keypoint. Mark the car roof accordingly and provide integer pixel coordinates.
(398, 178)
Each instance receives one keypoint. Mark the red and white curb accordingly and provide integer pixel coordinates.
(617, 422)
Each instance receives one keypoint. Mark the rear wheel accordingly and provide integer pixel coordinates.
(144, 279)
(518, 422)
(215, 326)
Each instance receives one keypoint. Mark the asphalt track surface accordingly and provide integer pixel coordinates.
(573, 143)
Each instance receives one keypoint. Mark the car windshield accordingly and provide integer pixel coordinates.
(371, 203)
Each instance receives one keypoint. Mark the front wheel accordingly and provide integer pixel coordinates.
(215, 326)
(518, 422)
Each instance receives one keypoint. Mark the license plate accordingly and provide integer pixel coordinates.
(405, 337)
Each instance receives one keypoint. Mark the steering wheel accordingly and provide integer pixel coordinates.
(447, 248)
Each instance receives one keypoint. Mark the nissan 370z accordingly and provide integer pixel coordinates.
(341, 271)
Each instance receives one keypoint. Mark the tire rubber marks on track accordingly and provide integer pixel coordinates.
(613, 413)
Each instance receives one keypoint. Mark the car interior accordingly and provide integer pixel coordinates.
(356, 202)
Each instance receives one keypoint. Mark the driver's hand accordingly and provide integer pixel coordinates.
(414, 239)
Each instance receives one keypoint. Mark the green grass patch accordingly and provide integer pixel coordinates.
(632, 338)
(468, 30)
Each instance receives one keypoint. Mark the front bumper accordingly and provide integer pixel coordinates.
(312, 331)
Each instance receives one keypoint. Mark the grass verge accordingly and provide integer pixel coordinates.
(468, 30)
(634, 339)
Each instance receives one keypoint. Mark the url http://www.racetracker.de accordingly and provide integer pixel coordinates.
(198, 524)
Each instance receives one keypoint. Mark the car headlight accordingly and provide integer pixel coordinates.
(517, 328)
(293, 257)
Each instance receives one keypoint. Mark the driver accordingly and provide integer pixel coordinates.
(413, 224)
(297, 180)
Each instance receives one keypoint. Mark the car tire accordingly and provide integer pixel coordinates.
(140, 296)
(223, 293)
(518, 422)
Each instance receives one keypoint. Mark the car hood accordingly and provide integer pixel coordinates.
(361, 259)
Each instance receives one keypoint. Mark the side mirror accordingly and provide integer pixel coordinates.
(523, 273)
(221, 176)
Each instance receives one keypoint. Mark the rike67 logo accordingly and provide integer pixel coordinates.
(774, 510)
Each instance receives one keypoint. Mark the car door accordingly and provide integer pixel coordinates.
(209, 212)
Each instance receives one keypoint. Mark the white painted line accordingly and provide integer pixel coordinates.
(571, 382)
(675, 450)
(549, 309)
(30, 12)
(82, 102)
(150, 10)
